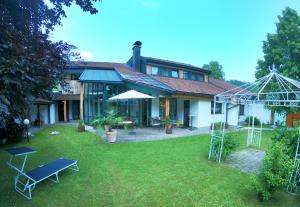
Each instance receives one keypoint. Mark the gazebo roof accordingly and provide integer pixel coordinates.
(273, 89)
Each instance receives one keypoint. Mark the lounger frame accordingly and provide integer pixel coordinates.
(25, 189)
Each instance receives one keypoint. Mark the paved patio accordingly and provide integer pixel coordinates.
(149, 134)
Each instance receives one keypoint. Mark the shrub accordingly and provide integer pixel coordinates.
(276, 169)
(11, 130)
(81, 126)
(168, 121)
(110, 119)
(256, 120)
(217, 126)
(230, 144)
(289, 138)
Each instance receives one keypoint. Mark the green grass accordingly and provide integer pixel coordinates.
(172, 172)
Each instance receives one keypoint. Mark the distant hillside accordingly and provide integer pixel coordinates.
(237, 82)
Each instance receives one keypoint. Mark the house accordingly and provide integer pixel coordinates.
(183, 91)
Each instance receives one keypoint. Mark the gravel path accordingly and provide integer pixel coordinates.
(247, 160)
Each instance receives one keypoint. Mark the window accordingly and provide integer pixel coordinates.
(242, 110)
(173, 108)
(193, 76)
(164, 72)
(218, 108)
(162, 107)
(154, 71)
(174, 74)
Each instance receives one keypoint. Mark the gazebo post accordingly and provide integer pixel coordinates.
(222, 138)
(211, 148)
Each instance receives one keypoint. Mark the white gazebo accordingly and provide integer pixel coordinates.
(273, 89)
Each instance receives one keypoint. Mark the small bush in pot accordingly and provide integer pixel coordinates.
(107, 122)
(168, 125)
(81, 126)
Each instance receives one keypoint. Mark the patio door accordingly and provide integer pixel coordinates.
(75, 109)
(145, 112)
(186, 113)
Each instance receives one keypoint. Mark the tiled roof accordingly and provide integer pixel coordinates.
(126, 72)
(213, 87)
(222, 84)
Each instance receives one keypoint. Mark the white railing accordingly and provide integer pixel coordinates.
(71, 87)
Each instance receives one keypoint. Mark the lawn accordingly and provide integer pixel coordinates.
(172, 172)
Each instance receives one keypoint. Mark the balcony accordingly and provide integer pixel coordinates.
(70, 87)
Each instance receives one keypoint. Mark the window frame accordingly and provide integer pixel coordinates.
(187, 75)
(242, 112)
(219, 108)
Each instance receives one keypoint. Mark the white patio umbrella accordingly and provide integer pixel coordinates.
(131, 94)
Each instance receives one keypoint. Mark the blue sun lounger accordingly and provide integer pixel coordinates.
(25, 181)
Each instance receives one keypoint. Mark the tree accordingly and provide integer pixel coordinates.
(30, 63)
(282, 49)
(216, 70)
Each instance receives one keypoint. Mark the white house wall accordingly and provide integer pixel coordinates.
(155, 107)
(280, 118)
(194, 113)
(233, 115)
(70, 110)
(52, 113)
(204, 113)
(259, 111)
(44, 113)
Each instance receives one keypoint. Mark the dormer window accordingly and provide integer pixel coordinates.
(174, 74)
(164, 72)
(193, 76)
(154, 71)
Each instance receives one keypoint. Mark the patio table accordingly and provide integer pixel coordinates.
(129, 123)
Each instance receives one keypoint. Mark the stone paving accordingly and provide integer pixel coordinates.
(247, 160)
(150, 134)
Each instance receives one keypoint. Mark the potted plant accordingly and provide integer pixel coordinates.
(168, 125)
(178, 123)
(81, 126)
(107, 121)
(112, 133)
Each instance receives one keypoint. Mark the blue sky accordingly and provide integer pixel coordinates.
(193, 32)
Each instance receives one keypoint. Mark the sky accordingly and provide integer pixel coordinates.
(194, 32)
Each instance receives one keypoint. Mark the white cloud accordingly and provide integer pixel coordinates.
(150, 4)
(86, 55)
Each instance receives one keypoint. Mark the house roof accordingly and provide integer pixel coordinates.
(211, 88)
(106, 75)
(126, 73)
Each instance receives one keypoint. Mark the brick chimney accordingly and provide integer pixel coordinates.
(136, 56)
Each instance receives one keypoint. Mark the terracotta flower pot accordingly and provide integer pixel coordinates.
(168, 129)
(111, 135)
(81, 128)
